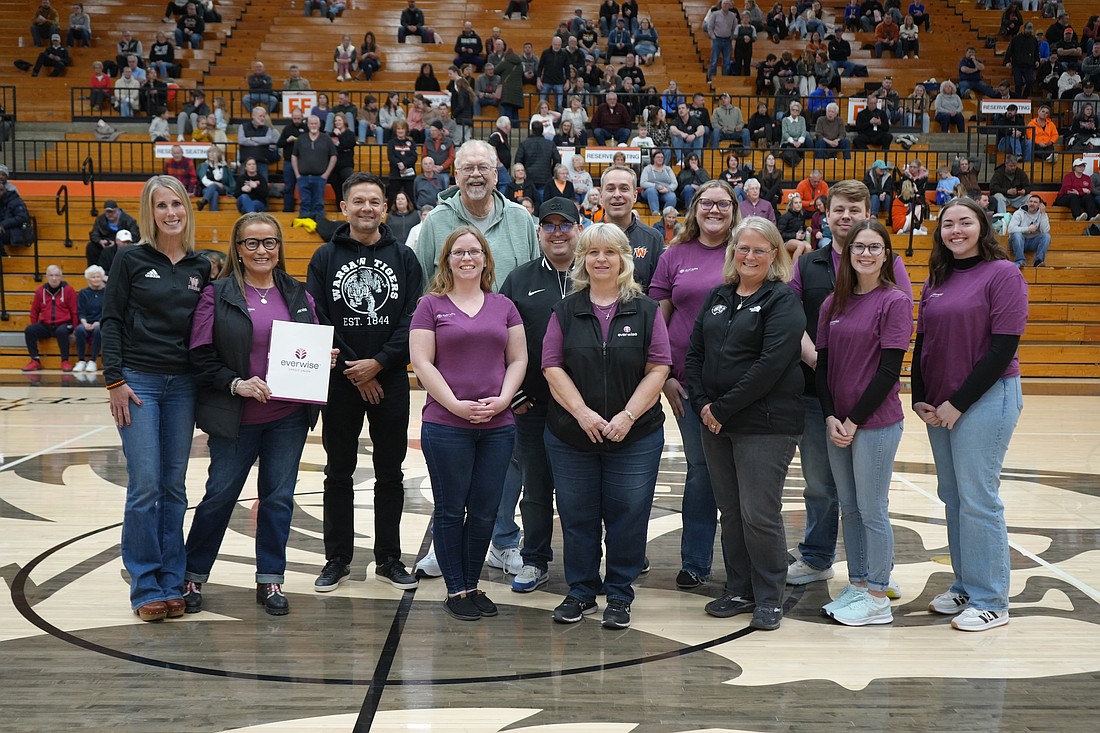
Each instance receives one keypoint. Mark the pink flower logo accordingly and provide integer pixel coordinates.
(300, 353)
(626, 329)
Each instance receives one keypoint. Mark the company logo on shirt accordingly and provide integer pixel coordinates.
(152, 274)
(627, 332)
(441, 316)
(193, 283)
(366, 287)
(640, 252)
(535, 292)
(754, 309)
(718, 310)
(685, 270)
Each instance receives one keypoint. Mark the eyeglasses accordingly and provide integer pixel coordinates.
(708, 204)
(474, 254)
(745, 251)
(564, 228)
(873, 249)
(469, 170)
(253, 244)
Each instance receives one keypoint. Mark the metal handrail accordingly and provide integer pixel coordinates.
(63, 208)
(87, 175)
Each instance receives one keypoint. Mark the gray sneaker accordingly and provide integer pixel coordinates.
(530, 578)
(801, 572)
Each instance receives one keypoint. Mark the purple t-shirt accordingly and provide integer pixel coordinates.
(553, 356)
(262, 315)
(469, 353)
(900, 275)
(880, 319)
(958, 319)
(686, 273)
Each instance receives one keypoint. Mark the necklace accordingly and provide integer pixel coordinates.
(263, 295)
(606, 309)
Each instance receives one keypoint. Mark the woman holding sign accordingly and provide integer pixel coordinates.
(229, 352)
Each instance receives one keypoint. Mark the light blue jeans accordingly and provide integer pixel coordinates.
(968, 465)
(818, 549)
(862, 473)
(699, 513)
(157, 445)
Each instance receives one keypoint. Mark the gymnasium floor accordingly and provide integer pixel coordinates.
(370, 657)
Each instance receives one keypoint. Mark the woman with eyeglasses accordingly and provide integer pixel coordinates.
(686, 273)
(605, 356)
(745, 383)
(230, 339)
(147, 312)
(469, 351)
(863, 333)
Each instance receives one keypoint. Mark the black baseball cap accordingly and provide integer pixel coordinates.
(563, 207)
(110, 204)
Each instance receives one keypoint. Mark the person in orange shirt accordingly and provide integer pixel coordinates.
(812, 188)
(1044, 132)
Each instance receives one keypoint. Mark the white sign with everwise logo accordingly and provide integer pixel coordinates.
(298, 362)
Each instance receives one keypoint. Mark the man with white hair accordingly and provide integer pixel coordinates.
(53, 313)
(260, 89)
(831, 134)
(256, 140)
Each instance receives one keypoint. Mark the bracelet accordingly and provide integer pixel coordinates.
(233, 386)
(119, 383)
(630, 415)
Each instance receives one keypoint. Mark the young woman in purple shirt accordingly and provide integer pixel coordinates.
(469, 351)
(862, 335)
(686, 273)
(966, 387)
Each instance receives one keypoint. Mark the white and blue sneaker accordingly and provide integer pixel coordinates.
(529, 578)
(865, 610)
(850, 594)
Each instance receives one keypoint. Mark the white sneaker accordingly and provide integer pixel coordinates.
(922, 232)
(428, 566)
(529, 578)
(949, 603)
(80, 366)
(893, 589)
(507, 559)
(90, 367)
(865, 611)
(973, 619)
(849, 595)
(801, 573)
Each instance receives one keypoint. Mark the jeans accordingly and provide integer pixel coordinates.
(311, 192)
(195, 39)
(818, 549)
(699, 513)
(679, 145)
(311, 5)
(876, 205)
(536, 507)
(248, 205)
(968, 465)
(33, 333)
(77, 35)
(557, 90)
(946, 120)
(503, 179)
(1022, 77)
(821, 150)
(211, 194)
(657, 200)
(157, 445)
(1020, 243)
(1003, 202)
(717, 136)
(721, 53)
(608, 493)
(125, 107)
(979, 86)
(911, 46)
(862, 472)
(505, 529)
(269, 101)
(753, 538)
(1020, 147)
(467, 468)
(290, 182)
(388, 429)
(278, 446)
(602, 136)
(687, 193)
(82, 336)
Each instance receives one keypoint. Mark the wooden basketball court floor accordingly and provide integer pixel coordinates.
(370, 657)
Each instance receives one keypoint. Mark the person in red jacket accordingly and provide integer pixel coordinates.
(53, 313)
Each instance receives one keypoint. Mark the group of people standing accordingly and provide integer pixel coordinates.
(544, 360)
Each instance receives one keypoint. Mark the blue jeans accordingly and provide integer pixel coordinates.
(278, 446)
(536, 508)
(821, 150)
(604, 496)
(157, 444)
(1020, 147)
(311, 192)
(269, 101)
(876, 205)
(1019, 243)
(211, 194)
(717, 136)
(721, 53)
(862, 472)
(980, 86)
(555, 89)
(658, 201)
(699, 513)
(748, 472)
(968, 465)
(183, 38)
(248, 205)
(503, 179)
(602, 136)
(818, 549)
(467, 468)
(679, 145)
(82, 336)
(505, 529)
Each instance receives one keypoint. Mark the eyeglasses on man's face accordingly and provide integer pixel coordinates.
(564, 227)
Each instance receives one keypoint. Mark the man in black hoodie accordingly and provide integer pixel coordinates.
(365, 284)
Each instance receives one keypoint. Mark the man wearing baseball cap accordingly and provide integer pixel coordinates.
(123, 239)
(535, 288)
(56, 56)
(106, 227)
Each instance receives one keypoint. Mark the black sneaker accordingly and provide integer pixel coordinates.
(573, 609)
(397, 574)
(332, 575)
(462, 608)
(270, 596)
(729, 605)
(192, 597)
(616, 615)
(686, 579)
(766, 619)
(484, 606)
(645, 565)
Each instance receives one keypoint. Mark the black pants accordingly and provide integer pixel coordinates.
(742, 59)
(1077, 204)
(53, 62)
(388, 426)
(38, 331)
